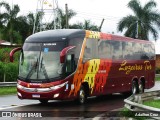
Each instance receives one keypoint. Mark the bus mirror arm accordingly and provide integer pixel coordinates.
(64, 53)
(13, 52)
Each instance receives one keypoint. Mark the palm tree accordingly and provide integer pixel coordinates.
(1, 26)
(33, 21)
(10, 18)
(30, 20)
(87, 25)
(38, 26)
(1, 21)
(142, 22)
(62, 17)
(22, 27)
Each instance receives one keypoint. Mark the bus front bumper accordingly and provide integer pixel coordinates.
(43, 93)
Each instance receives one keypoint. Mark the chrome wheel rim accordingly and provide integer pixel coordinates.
(141, 88)
(82, 96)
(134, 89)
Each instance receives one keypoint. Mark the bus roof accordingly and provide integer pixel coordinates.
(121, 38)
(65, 34)
(55, 35)
(104, 36)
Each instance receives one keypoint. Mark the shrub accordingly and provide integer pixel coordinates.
(157, 70)
(1, 71)
(10, 70)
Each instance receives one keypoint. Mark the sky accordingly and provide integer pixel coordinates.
(95, 10)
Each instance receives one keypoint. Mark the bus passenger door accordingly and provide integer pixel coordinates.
(90, 64)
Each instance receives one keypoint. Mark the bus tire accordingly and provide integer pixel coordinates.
(82, 96)
(141, 87)
(43, 101)
(135, 87)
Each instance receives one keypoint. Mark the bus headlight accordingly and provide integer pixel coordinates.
(58, 86)
(19, 94)
(20, 86)
(56, 95)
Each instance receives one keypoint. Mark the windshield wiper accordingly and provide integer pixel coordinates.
(22, 57)
(44, 69)
(34, 67)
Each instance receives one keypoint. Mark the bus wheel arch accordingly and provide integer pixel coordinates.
(135, 87)
(141, 85)
(83, 93)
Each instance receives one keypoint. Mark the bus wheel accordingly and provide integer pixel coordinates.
(141, 87)
(134, 87)
(82, 95)
(43, 101)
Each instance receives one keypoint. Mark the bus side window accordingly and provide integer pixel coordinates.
(104, 49)
(145, 53)
(137, 48)
(152, 51)
(127, 50)
(78, 43)
(88, 50)
(116, 50)
(124, 49)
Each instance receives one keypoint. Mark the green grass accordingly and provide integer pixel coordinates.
(157, 78)
(152, 103)
(8, 90)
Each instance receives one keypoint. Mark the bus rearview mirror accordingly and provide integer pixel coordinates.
(13, 52)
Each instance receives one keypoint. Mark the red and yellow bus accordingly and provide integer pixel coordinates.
(76, 64)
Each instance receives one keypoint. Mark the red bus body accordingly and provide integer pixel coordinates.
(99, 74)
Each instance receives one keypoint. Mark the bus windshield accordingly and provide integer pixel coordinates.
(41, 61)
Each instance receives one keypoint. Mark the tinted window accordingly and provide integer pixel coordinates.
(116, 49)
(104, 50)
(127, 50)
(32, 47)
(145, 52)
(137, 51)
(78, 43)
(152, 51)
(56, 46)
(90, 51)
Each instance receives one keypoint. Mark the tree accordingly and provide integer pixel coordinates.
(1, 21)
(35, 21)
(9, 18)
(22, 27)
(87, 25)
(1, 26)
(142, 22)
(30, 20)
(62, 17)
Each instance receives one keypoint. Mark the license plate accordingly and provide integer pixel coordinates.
(35, 96)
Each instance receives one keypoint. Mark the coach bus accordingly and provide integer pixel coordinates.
(76, 64)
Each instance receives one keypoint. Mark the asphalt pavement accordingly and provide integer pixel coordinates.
(156, 87)
(7, 101)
